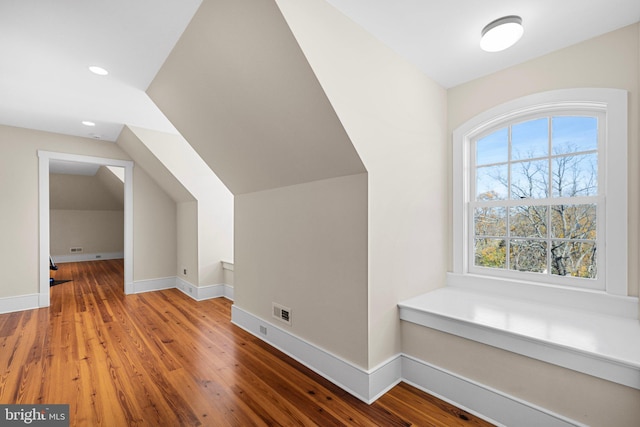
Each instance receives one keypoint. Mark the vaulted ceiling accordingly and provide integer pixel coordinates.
(46, 47)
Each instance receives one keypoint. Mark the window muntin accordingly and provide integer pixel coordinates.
(535, 207)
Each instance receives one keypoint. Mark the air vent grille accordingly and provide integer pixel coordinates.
(282, 313)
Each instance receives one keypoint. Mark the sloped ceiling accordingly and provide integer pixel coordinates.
(239, 89)
(82, 192)
(145, 159)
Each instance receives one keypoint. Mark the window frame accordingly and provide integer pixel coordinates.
(612, 191)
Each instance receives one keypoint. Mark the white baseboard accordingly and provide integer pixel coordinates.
(19, 303)
(198, 293)
(483, 401)
(201, 293)
(87, 257)
(149, 285)
(365, 385)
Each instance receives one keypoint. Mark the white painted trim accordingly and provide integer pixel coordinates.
(19, 303)
(368, 385)
(227, 265)
(485, 402)
(87, 257)
(585, 300)
(43, 202)
(201, 293)
(228, 292)
(345, 375)
(614, 102)
(150, 285)
(607, 353)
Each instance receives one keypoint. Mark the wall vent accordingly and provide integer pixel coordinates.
(282, 313)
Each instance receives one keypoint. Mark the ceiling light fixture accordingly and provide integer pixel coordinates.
(98, 70)
(501, 33)
(88, 123)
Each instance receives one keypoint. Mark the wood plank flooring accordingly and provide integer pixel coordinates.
(163, 359)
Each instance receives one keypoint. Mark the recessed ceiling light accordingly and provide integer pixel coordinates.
(88, 123)
(98, 70)
(501, 33)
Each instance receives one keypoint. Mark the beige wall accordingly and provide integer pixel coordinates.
(154, 229)
(81, 192)
(581, 397)
(305, 247)
(19, 194)
(19, 211)
(95, 231)
(214, 218)
(395, 117)
(610, 61)
(187, 241)
(85, 213)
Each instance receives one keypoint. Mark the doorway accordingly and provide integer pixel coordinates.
(45, 157)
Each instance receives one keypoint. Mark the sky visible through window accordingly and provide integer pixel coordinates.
(528, 143)
(542, 165)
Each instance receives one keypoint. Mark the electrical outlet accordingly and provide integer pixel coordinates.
(184, 271)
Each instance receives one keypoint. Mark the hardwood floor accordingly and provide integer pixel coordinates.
(163, 359)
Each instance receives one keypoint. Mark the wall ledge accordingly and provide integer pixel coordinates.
(597, 344)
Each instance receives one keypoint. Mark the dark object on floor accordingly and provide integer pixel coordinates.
(54, 282)
(52, 265)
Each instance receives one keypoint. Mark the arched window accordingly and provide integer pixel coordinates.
(540, 191)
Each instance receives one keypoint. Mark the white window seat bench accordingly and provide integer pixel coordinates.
(597, 343)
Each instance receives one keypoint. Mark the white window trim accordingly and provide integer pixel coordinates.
(614, 101)
(593, 332)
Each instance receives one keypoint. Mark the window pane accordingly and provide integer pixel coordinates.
(490, 222)
(529, 180)
(493, 148)
(530, 139)
(573, 221)
(572, 134)
(491, 182)
(577, 259)
(575, 175)
(490, 253)
(528, 255)
(528, 221)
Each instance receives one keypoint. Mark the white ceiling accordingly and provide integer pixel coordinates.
(46, 47)
(442, 37)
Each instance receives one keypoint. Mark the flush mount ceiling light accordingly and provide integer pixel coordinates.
(501, 33)
(88, 123)
(98, 70)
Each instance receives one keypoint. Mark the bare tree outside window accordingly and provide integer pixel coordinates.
(535, 203)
